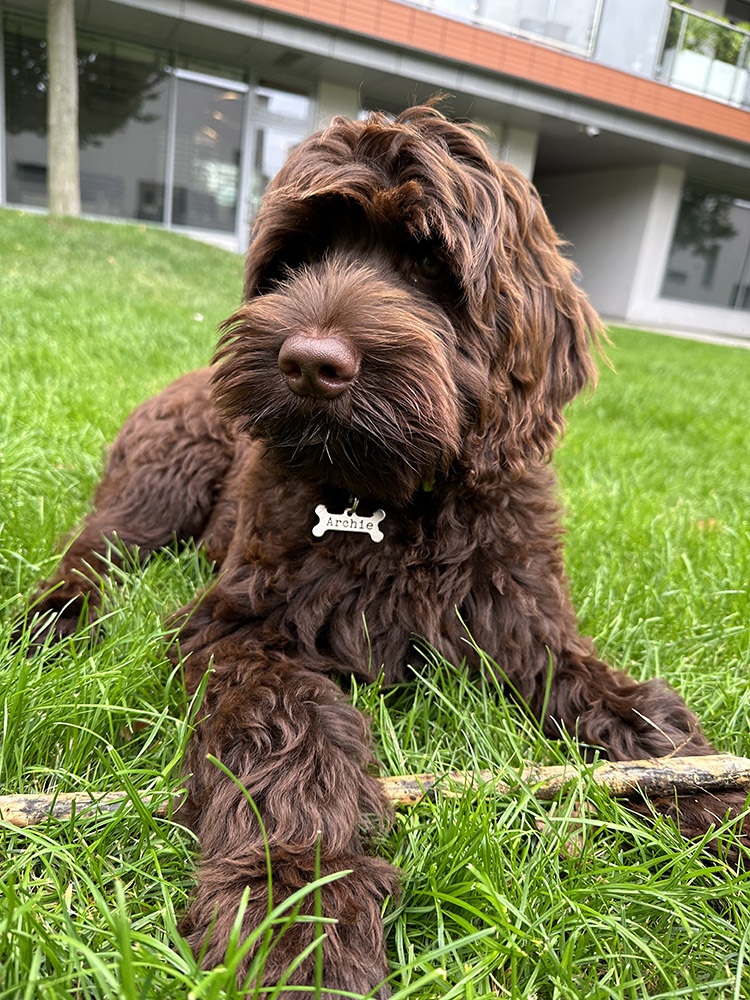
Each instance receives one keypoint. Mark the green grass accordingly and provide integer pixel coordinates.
(496, 901)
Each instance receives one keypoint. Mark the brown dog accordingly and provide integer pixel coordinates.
(409, 337)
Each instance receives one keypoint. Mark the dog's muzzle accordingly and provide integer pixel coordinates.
(323, 367)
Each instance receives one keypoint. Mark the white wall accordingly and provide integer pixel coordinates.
(603, 214)
(663, 208)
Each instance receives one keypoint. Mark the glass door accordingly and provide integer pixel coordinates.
(281, 119)
(207, 147)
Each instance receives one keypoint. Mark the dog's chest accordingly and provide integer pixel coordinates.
(345, 601)
(448, 571)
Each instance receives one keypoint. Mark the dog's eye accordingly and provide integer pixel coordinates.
(430, 266)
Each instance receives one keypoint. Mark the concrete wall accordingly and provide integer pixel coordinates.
(603, 214)
(656, 241)
(620, 224)
(518, 146)
(512, 145)
(493, 136)
(646, 306)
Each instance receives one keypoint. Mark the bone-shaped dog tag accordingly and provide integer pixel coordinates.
(348, 521)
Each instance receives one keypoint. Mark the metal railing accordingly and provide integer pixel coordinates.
(561, 24)
(707, 55)
(701, 52)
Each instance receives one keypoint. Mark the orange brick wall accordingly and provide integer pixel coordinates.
(398, 24)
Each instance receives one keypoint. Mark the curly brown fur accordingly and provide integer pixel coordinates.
(446, 334)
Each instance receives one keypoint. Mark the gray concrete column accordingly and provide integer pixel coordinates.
(519, 147)
(492, 137)
(336, 99)
(656, 239)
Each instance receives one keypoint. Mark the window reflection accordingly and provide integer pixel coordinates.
(567, 23)
(272, 146)
(208, 141)
(709, 261)
(705, 53)
(122, 123)
(26, 113)
(282, 120)
(157, 143)
(288, 104)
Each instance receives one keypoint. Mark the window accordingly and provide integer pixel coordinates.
(281, 103)
(281, 120)
(26, 112)
(562, 22)
(122, 123)
(207, 150)
(158, 142)
(710, 257)
(123, 108)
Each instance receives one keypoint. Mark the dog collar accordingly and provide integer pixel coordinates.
(348, 521)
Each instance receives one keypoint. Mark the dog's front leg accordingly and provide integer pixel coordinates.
(301, 753)
(164, 474)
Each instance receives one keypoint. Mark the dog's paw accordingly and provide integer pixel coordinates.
(352, 949)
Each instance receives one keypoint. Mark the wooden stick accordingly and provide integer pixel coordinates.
(30, 810)
(628, 779)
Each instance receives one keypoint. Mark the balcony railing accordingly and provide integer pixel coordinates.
(706, 55)
(570, 25)
(701, 52)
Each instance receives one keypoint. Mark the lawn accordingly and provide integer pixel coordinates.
(503, 897)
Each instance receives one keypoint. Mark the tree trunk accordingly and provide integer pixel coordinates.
(64, 186)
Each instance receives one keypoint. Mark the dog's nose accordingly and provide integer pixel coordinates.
(318, 366)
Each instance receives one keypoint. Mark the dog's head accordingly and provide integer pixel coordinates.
(407, 313)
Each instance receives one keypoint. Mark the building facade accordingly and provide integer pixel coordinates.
(632, 117)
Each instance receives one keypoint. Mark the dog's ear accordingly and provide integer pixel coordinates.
(545, 329)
